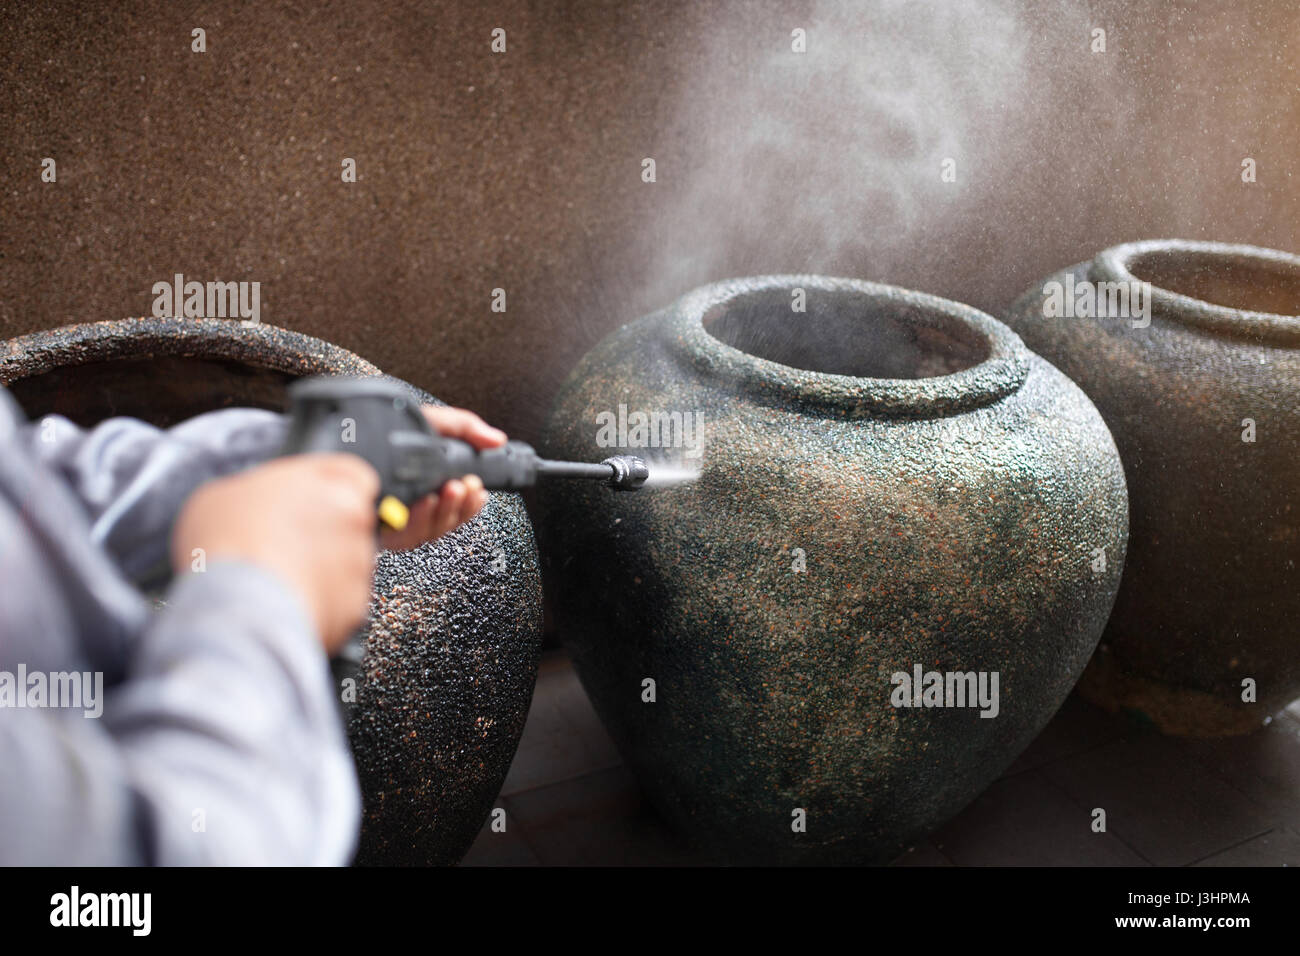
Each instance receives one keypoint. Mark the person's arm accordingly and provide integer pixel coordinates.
(132, 477)
(221, 742)
(230, 730)
(224, 746)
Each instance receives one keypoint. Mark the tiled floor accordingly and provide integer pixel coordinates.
(1233, 802)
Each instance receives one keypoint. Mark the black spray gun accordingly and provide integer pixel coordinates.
(379, 420)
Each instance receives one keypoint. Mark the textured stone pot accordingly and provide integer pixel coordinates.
(1211, 592)
(888, 480)
(453, 643)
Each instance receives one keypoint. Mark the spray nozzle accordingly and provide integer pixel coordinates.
(630, 472)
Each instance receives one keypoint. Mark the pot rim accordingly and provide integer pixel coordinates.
(1114, 265)
(1000, 373)
(260, 345)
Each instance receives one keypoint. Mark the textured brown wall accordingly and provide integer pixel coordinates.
(523, 170)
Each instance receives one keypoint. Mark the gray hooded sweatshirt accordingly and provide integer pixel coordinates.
(204, 732)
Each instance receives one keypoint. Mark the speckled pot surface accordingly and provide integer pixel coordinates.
(887, 480)
(454, 634)
(1211, 592)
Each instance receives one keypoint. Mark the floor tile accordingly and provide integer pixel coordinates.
(1026, 821)
(563, 737)
(597, 820)
(1159, 800)
(1277, 848)
(923, 854)
(1264, 765)
(1076, 728)
(500, 849)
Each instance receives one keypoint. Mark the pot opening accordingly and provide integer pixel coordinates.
(1235, 282)
(163, 390)
(845, 332)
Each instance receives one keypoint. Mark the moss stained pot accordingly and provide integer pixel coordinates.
(1211, 593)
(887, 481)
(453, 640)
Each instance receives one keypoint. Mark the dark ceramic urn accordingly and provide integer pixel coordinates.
(904, 538)
(455, 626)
(1202, 393)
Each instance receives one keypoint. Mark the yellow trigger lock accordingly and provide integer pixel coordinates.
(393, 513)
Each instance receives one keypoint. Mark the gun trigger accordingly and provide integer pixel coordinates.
(393, 513)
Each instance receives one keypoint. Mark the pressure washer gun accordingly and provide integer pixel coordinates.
(380, 420)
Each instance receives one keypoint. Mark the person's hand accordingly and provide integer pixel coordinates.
(459, 500)
(311, 520)
(308, 519)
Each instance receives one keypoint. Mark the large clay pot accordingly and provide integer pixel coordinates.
(888, 480)
(1211, 592)
(455, 630)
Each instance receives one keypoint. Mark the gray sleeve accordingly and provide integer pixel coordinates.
(133, 478)
(225, 745)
